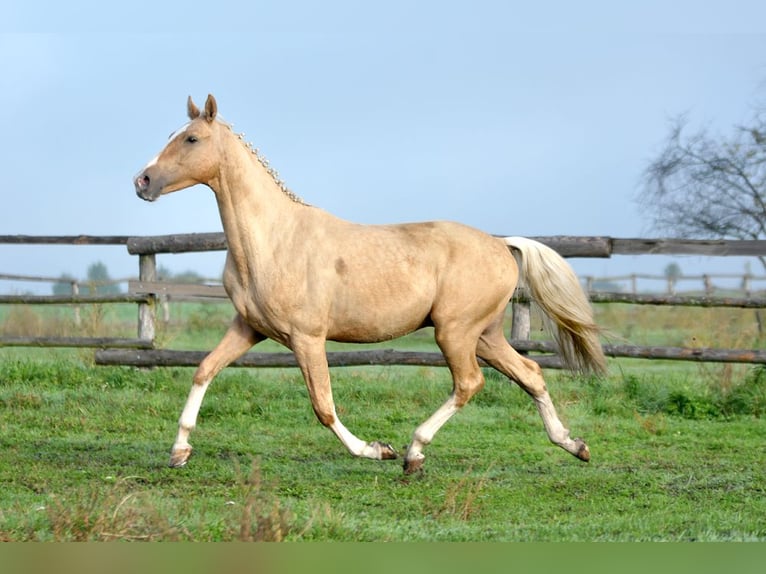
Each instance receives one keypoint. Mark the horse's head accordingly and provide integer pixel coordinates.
(189, 158)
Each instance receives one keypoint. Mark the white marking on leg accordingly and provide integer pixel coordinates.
(425, 433)
(557, 432)
(357, 446)
(188, 419)
(354, 444)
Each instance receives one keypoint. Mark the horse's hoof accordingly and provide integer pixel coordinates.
(414, 465)
(386, 451)
(583, 452)
(179, 457)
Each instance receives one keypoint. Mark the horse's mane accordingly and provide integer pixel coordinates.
(263, 161)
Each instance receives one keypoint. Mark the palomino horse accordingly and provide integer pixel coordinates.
(300, 276)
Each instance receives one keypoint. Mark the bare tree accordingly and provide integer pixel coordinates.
(709, 187)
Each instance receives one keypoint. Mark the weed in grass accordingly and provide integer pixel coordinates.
(124, 510)
(654, 424)
(23, 321)
(26, 321)
(461, 497)
(21, 400)
(115, 512)
(324, 523)
(263, 517)
(93, 322)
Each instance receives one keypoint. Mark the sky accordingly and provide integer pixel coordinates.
(516, 118)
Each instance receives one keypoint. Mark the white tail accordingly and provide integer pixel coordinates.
(554, 286)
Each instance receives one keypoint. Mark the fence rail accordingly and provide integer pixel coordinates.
(679, 300)
(168, 358)
(147, 291)
(566, 245)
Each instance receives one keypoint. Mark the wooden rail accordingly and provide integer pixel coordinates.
(679, 300)
(82, 342)
(65, 239)
(179, 290)
(382, 357)
(75, 299)
(170, 358)
(706, 247)
(566, 245)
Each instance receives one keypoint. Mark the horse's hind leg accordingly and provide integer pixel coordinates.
(312, 359)
(496, 351)
(467, 381)
(237, 340)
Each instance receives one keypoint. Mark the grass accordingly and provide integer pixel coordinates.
(84, 453)
(678, 448)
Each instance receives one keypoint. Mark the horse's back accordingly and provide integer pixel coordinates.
(444, 252)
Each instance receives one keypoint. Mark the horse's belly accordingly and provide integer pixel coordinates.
(373, 323)
(365, 333)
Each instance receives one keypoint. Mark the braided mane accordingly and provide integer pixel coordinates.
(264, 162)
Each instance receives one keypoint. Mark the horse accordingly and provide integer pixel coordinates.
(300, 276)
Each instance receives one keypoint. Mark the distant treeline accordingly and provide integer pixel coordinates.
(98, 281)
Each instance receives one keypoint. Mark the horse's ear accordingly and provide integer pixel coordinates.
(192, 109)
(211, 108)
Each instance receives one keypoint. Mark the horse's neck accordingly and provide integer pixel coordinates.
(255, 211)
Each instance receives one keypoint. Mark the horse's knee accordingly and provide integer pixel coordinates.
(325, 416)
(467, 388)
(534, 383)
(201, 376)
(205, 371)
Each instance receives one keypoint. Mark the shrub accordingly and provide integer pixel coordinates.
(747, 397)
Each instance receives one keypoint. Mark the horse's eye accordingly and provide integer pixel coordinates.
(192, 139)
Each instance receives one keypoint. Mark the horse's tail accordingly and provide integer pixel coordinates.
(553, 285)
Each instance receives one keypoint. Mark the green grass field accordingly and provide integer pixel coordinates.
(678, 449)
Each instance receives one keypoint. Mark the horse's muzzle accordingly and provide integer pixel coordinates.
(143, 184)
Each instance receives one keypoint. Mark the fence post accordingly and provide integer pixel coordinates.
(521, 325)
(147, 271)
(76, 291)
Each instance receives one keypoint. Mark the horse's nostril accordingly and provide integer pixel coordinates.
(142, 182)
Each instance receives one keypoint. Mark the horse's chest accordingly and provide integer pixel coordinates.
(261, 308)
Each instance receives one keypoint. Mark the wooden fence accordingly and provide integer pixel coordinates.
(76, 299)
(147, 291)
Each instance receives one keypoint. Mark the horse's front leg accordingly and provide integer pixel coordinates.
(237, 340)
(312, 359)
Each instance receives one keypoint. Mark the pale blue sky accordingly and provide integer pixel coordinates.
(515, 119)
